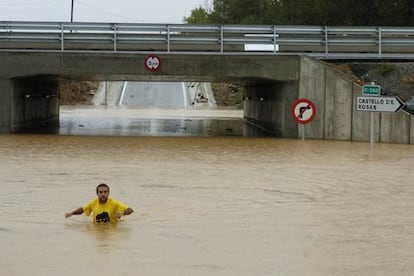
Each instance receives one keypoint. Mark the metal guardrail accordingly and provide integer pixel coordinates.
(319, 41)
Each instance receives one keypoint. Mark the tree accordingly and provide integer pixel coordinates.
(308, 12)
(241, 12)
(198, 16)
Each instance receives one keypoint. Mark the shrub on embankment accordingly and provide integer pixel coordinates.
(396, 79)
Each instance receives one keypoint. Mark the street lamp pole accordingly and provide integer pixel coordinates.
(71, 13)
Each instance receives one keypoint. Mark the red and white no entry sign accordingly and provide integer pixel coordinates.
(303, 111)
(152, 62)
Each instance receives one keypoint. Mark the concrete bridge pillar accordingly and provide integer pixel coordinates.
(6, 88)
(27, 103)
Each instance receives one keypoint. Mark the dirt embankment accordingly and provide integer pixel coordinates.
(395, 79)
(77, 92)
(228, 94)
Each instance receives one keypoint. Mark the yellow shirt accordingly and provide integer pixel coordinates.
(103, 213)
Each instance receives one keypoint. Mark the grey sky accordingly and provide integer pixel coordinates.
(139, 11)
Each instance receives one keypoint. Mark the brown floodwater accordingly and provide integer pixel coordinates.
(207, 206)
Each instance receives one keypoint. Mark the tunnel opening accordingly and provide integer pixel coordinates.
(160, 108)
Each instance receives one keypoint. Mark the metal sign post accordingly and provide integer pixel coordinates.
(302, 127)
(371, 132)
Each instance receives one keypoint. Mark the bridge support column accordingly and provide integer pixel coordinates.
(6, 88)
(267, 108)
(34, 104)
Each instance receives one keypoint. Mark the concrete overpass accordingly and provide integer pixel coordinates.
(29, 89)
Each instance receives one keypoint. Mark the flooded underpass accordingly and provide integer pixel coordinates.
(126, 121)
(204, 204)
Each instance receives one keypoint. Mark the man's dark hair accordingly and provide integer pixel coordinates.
(102, 185)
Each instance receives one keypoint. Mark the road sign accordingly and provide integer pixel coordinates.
(303, 111)
(379, 104)
(152, 62)
(371, 90)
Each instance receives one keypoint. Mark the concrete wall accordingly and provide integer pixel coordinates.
(268, 107)
(337, 118)
(338, 106)
(411, 130)
(118, 67)
(332, 95)
(312, 86)
(109, 93)
(395, 128)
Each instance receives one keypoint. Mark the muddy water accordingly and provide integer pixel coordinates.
(207, 206)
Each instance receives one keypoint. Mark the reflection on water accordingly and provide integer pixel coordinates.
(105, 236)
(150, 122)
(152, 127)
(206, 206)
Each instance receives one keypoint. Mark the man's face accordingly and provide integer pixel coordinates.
(103, 193)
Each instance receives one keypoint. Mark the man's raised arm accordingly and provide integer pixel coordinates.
(78, 211)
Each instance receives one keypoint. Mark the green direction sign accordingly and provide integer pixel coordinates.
(371, 90)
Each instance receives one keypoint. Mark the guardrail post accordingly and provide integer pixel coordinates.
(168, 38)
(62, 38)
(379, 42)
(221, 39)
(326, 42)
(115, 29)
(274, 39)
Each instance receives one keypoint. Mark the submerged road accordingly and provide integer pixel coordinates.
(160, 94)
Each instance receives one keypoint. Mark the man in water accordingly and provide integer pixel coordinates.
(104, 209)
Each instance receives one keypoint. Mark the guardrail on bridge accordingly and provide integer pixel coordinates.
(319, 41)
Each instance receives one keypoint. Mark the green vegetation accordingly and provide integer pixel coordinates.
(307, 12)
